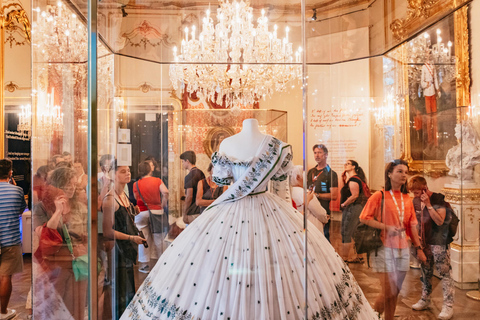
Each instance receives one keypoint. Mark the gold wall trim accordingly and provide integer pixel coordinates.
(12, 86)
(463, 247)
(461, 195)
(462, 57)
(144, 87)
(419, 14)
(9, 15)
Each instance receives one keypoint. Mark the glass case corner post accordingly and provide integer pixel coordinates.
(92, 158)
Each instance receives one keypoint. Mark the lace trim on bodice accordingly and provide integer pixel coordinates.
(224, 160)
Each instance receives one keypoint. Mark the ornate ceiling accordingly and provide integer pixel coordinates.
(322, 6)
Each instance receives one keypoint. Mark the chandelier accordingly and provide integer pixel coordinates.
(59, 35)
(25, 121)
(386, 113)
(49, 116)
(234, 62)
(418, 49)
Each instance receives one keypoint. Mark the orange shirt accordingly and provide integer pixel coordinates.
(150, 189)
(391, 215)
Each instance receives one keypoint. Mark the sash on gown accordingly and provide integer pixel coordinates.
(262, 168)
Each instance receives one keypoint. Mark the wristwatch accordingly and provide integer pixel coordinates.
(419, 247)
(429, 208)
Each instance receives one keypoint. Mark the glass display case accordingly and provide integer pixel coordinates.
(121, 89)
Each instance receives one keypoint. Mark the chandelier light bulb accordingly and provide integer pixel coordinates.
(426, 35)
(439, 31)
(449, 43)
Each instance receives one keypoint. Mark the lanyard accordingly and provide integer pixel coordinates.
(400, 213)
(314, 178)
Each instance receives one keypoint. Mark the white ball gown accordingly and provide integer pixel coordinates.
(243, 258)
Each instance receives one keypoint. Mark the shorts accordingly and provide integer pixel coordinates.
(11, 260)
(390, 259)
(350, 221)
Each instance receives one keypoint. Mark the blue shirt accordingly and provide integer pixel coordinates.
(12, 205)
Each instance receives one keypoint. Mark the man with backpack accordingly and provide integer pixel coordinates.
(435, 216)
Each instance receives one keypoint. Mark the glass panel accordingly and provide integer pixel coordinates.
(59, 159)
(413, 109)
(152, 120)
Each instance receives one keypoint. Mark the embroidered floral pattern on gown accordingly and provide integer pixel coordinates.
(243, 258)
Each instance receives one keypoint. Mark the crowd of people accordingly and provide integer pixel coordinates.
(133, 227)
(423, 222)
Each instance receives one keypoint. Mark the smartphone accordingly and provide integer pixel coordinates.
(140, 234)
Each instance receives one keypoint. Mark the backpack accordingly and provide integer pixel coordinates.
(453, 226)
(366, 190)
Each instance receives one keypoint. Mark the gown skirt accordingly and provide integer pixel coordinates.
(245, 260)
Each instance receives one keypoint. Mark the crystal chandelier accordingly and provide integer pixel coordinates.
(25, 120)
(386, 113)
(233, 62)
(441, 53)
(49, 116)
(59, 36)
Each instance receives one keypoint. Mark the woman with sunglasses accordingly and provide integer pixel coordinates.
(352, 201)
(391, 210)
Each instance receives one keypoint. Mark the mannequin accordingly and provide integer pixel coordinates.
(236, 146)
(244, 218)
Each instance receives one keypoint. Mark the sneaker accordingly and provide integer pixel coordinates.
(9, 315)
(144, 269)
(446, 314)
(421, 305)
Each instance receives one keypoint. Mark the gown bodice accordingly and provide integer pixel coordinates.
(273, 161)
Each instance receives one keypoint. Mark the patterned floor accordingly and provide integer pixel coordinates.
(465, 308)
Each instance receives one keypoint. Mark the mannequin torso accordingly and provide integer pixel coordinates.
(244, 145)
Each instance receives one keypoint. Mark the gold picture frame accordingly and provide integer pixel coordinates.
(437, 167)
(214, 137)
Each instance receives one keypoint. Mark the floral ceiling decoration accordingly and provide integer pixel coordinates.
(146, 35)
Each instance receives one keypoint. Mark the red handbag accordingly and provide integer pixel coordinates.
(50, 244)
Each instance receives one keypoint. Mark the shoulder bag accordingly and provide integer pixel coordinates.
(366, 238)
(79, 264)
(158, 222)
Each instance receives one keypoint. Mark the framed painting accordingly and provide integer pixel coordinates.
(214, 137)
(436, 85)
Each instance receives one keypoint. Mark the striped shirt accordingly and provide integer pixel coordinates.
(12, 205)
